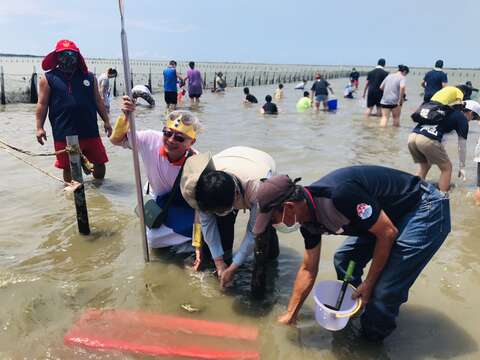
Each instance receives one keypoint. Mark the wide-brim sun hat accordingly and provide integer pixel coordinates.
(192, 170)
(50, 61)
(474, 107)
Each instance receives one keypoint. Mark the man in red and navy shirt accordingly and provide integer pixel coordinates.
(69, 93)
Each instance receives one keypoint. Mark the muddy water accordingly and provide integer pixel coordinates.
(49, 274)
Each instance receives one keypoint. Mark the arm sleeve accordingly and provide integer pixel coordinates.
(445, 78)
(311, 240)
(357, 205)
(211, 235)
(462, 127)
(248, 243)
(462, 151)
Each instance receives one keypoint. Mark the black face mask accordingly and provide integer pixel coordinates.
(67, 61)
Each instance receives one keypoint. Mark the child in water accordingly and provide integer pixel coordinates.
(304, 103)
(249, 98)
(269, 107)
(348, 91)
(181, 91)
(279, 92)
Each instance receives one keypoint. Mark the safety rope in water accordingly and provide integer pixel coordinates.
(70, 149)
(35, 166)
(26, 152)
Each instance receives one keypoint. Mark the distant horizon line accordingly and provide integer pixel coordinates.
(240, 62)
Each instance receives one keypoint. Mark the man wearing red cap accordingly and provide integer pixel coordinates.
(69, 93)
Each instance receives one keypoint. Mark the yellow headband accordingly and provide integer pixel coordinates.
(178, 125)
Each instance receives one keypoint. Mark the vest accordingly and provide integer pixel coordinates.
(72, 109)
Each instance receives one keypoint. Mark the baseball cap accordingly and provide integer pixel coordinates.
(270, 194)
(50, 61)
(473, 106)
(193, 168)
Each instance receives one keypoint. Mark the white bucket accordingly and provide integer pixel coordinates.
(326, 292)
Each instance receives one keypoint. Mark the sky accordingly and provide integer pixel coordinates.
(335, 32)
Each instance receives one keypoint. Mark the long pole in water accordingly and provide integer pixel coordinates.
(131, 118)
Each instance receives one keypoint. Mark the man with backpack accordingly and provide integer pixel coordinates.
(435, 119)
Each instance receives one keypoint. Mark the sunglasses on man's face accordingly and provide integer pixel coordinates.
(176, 136)
(67, 53)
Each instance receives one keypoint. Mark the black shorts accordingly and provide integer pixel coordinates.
(194, 96)
(373, 98)
(389, 106)
(171, 97)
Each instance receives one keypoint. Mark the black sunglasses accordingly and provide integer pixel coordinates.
(176, 136)
(67, 53)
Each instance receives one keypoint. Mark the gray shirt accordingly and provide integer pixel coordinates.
(391, 88)
(104, 88)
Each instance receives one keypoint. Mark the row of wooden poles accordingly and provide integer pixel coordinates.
(236, 79)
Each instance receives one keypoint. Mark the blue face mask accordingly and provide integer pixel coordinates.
(284, 228)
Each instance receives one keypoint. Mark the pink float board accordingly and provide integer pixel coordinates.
(162, 335)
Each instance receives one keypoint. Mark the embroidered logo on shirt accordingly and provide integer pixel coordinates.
(364, 211)
(86, 82)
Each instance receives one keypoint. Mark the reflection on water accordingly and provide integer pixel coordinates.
(49, 274)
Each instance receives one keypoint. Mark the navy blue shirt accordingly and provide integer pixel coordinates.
(348, 201)
(320, 87)
(72, 109)
(251, 99)
(270, 108)
(375, 79)
(456, 120)
(434, 80)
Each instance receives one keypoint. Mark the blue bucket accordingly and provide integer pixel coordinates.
(332, 104)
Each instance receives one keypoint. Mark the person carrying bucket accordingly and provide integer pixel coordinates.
(320, 88)
(163, 154)
(393, 219)
(219, 187)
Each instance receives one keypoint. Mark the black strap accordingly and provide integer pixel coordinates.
(239, 184)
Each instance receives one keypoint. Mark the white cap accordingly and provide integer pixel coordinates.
(474, 106)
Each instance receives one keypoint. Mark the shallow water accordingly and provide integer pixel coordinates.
(49, 274)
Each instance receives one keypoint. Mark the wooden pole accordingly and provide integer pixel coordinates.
(115, 94)
(79, 193)
(245, 79)
(2, 87)
(214, 82)
(33, 87)
(204, 80)
(150, 80)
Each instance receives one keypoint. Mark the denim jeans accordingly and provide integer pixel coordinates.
(421, 233)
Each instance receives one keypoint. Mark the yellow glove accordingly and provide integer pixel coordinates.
(120, 129)
(197, 235)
